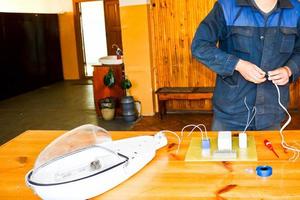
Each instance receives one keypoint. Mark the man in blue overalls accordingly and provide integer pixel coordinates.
(255, 38)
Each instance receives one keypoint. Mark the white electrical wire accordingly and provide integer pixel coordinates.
(205, 131)
(190, 125)
(297, 157)
(294, 157)
(249, 113)
(245, 102)
(298, 154)
(283, 143)
(194, 127)
(295, 154)
(179, 140)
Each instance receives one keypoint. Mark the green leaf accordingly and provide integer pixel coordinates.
(109, 79)
(126, 84)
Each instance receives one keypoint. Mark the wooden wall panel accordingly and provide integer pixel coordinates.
(173, 24)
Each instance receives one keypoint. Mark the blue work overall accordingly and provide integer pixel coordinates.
(243, 32)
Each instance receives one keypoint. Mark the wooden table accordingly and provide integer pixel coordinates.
(168, 176)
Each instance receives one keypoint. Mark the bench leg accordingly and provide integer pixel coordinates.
(161, 108)
(165, 107)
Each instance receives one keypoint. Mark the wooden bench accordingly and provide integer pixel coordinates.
(181, 93)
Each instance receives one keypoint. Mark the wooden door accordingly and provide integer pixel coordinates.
(52, 49)
(173, 25)
(113, 25)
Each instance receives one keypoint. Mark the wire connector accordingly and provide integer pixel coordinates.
(205, 144)
(224, 140)
(205, 147)
(243, 140)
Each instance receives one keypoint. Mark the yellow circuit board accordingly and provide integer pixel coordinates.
(195, 153)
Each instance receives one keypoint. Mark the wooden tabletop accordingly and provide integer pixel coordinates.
(168, 176)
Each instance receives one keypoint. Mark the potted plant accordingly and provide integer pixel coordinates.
(126, 85)
(107, 107)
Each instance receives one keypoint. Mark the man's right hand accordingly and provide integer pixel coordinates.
(250, 72)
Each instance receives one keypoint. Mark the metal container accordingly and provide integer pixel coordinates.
(128, 109)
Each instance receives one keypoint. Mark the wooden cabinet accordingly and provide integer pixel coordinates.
(101, 91)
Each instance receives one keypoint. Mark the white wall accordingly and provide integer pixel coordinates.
(94, 34)
(36, 6)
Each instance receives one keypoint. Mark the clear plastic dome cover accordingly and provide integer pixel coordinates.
(82, 137)
(80, 153)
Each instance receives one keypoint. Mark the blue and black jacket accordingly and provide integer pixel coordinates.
(243, 32)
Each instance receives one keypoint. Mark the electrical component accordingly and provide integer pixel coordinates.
(224, 154)
(243, 135)
(205, 147)
(205, 144)
(205, 153)
(224, 140)
(264, 171)
(243, 140)
(68, 169)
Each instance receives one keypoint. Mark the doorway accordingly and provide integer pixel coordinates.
(98, 27)
(93, 34)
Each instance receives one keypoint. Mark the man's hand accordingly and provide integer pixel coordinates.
(250, 72)
(280, 76)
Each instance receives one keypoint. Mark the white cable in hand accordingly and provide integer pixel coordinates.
(283, 143)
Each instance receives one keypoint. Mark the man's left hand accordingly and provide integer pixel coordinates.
(280, 76)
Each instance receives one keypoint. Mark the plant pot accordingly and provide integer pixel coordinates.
(108, 113)
(107, 108)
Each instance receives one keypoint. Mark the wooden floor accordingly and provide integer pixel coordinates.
(175, 122)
